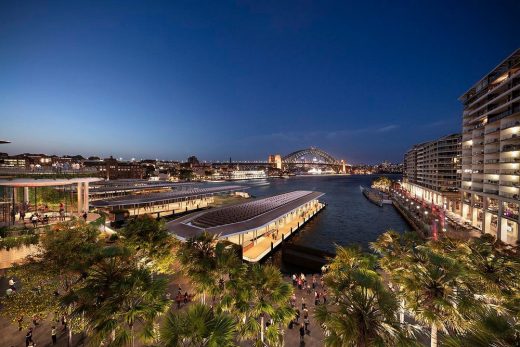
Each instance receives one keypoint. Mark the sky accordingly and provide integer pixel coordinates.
(362, 80)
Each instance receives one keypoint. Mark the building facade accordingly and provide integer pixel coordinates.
(111, 168)
(491, 151)
(432, 171)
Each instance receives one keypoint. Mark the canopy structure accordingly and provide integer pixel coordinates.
(241, 218)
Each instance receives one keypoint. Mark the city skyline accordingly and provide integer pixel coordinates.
(363, 82)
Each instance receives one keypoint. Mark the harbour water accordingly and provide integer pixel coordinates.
(348, 219)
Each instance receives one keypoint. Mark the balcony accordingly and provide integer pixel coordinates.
(510, 148)
(509, 137)
(493, 182)
(510, 172)
(490, 131)
(509, 195)
(510, 160)
(510, 125)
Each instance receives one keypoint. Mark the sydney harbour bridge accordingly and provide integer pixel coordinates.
(311, 160)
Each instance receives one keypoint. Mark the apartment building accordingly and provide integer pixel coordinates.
(491, 151)
(432, 172)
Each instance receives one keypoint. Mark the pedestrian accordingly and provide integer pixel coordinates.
(302, 332)
(313, 281)
(53, 334)
(85, 215)
(11, 284)
(305, 313)
(294, 280)
(308, 288)
(306, 322)
(297, 316)
(322, 284)
(316, 298)
(303, 303)
(186, 297)
(28, 337)
(20, 321)
(324, 295)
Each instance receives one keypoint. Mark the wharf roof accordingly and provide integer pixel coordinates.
(164, 197)
(122, 187)
(43, 182)
(240, 218)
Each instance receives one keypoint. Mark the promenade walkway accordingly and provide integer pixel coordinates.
(265, 244)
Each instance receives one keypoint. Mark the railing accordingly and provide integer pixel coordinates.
(492, 130)
(510, 172)
(510, 160)
(509, 148)
(512, 136)
(509, 195)
(46, 171)
(510, 125)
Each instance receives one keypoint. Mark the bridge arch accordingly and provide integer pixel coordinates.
(295, 157)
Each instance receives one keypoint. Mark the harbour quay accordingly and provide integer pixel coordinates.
(257, 226)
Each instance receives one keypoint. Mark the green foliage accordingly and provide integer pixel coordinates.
(151, 241)
(468, 290)
(199, 325)
(362, 309)
(249, 293)
(54, 271)
(186, 174)
(117, 295)
(16, 242)
(382, 183)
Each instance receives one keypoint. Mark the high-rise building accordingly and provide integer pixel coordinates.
(491, 151)
(432, 171)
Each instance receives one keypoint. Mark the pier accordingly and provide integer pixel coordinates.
(258, 226)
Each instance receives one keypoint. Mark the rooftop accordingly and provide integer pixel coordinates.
(240, 218)
(166, 197)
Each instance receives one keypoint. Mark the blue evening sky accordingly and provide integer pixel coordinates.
(363, 80)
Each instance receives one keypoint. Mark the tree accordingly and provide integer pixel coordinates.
(438, 292)
(382, 183)
(151, 241)
(267, 297)
(199, 325)
(118, 295)
(56, 269)
(396, 251)
(361, 311)
(251, 294)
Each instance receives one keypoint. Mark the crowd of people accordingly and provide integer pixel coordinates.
(314, 288)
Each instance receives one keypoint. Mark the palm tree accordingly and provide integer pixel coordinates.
(361, 311)
(198, 326)
(253, 295)
(438, 292)
(492, 330)
(396, 251)
(117, 296)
